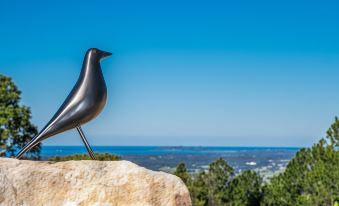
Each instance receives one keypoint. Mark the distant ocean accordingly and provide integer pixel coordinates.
(266, 160)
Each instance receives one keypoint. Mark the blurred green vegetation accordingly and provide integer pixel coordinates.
(16, 130)
(99, 157)
(311, 178)
(219, 185)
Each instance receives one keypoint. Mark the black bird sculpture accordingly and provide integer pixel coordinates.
(84, 103)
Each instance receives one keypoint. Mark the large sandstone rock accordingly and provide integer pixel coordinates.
(111, 183)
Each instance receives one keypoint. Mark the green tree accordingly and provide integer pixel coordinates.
(16, 129)
(208, 187)
(332, 134)
(182, 172)
(199, 190)
(217, 179)
(311, 177)
(245, 189)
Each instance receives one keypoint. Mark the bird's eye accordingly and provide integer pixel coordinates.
(94, 51)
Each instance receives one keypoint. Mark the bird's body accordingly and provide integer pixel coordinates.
(91, 94)
(84, 103)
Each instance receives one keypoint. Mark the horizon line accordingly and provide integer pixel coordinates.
(230, 146)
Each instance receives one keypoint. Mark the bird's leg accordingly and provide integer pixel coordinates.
(88, 147)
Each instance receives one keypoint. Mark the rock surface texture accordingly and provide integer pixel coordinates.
(110, 183)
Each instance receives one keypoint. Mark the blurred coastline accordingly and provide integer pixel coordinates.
(265, 160)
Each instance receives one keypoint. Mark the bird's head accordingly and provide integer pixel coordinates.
(97, 54)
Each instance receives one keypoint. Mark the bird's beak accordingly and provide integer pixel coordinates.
(105, 54)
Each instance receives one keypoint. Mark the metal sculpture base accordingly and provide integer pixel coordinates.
(88, 147)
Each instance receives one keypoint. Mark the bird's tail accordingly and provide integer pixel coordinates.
(34, 142)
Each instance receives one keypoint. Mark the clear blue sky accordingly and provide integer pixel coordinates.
(234, 73)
